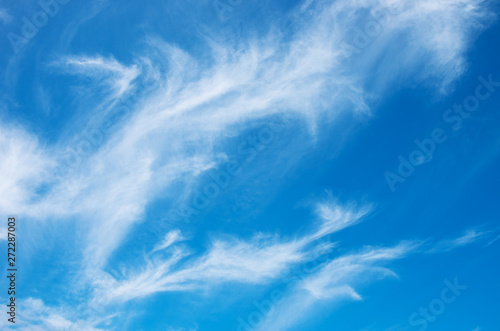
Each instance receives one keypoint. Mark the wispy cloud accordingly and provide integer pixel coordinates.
(338, 279)
(257, 261)
(334, 217)
(170, 238)
(334, 282)
(106, 71)
(492, 241)
(35, 315)
(24, 166)
(469, 237)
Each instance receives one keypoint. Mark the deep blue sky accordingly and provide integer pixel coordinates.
(179, 165)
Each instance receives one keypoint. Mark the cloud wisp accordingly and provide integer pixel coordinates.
(260, 260)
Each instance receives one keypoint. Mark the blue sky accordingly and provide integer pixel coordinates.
(245, 165)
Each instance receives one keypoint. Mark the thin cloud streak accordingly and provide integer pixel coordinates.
(260, 260)
(335, 282)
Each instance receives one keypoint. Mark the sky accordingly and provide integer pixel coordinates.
(251, 165)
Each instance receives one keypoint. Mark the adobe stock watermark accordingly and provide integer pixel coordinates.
(224, 9)
(454, 116)
(263, 308)
(362, 38)
(436, 307)
(30, 28)
(250, 147)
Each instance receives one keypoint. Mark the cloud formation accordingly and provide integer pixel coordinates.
(176, 132)
(258, 261)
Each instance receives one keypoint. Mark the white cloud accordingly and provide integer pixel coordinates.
(170, 238)
(34, 315)
(334, 282)
(334, 217)
(469, 237)
(106, 70)
(258, 261)
(338, 279)
(24, 166)
(338, 276)
(492, 241)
